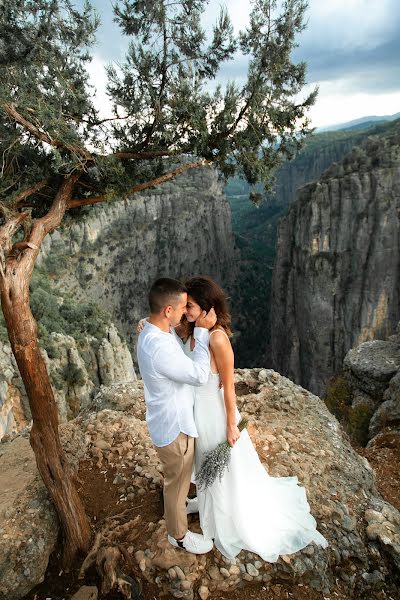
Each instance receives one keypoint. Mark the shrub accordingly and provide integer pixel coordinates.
(73, 375)
(338, 397)
(358, 423)
(354, 419)
(56, 378)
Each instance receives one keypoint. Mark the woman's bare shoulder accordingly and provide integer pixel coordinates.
(220, 339)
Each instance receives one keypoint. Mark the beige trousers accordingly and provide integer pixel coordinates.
(177, 462)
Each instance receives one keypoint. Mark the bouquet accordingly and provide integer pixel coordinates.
(216, 462)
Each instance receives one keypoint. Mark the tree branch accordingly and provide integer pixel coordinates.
(158, 109)
(74, 203)
(6, 232)
(47, 224)
(145, 155)
(28, 192)
(8, 229)
(42, 136)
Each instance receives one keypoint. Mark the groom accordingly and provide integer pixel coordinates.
(167, 374)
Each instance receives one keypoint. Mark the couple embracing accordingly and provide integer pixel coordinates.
(186, 362)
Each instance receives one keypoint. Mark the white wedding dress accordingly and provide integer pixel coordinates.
(248, 509)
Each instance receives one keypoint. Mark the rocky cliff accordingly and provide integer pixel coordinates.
(76, 371)
(256, 231)
(293, 433)
(336, 280)
(113, 254)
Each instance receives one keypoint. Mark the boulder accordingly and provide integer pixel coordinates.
(388, 413)
(372, 365)
(28, 522)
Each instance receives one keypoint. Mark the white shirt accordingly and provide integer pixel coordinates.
(167, 374)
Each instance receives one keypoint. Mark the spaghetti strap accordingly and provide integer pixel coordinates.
(222, 331)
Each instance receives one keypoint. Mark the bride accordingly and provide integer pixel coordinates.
(248, 509)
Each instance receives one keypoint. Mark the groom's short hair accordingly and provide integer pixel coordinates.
(164, 292)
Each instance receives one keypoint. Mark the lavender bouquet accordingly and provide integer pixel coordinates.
(216, 462)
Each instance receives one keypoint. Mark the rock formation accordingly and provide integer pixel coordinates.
(294, 434)
(28, 522)
(114, 253)
(256, 228)
(336, 280)
(373, 370)
(76, 373)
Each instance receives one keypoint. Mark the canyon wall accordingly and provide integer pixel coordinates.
(336, 281)
(114, 253)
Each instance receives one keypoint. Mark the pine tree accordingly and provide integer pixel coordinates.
(169, 116)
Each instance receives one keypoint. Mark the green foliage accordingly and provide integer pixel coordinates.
(338, 397)
(62, 314)
(164, 90)
(73, 375)
(43, 56)
(358, 423)
(354, 419)
(56, 378)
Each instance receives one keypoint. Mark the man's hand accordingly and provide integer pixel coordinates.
(207, 320)
(232, 434)
(140, 325)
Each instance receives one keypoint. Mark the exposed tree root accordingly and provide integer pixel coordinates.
(110, 557)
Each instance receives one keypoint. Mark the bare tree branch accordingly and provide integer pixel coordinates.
(8, 229)
(41, 227)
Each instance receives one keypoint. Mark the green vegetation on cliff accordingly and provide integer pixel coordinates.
(59, 312)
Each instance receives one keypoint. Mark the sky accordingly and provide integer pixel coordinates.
(351, 47)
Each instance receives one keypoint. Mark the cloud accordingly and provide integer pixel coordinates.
(98, 79)
(111, 44)
(350, 24)
(334, 107)
(351, 48)
(360, 43)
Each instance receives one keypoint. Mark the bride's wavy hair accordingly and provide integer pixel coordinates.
(207, 294)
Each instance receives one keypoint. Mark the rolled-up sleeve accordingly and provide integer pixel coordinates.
(170, 361)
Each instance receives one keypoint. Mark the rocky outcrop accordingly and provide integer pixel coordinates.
(294, 434)
(114, 253)
(28, 523)
(14, 406)
(373, 371)
(336, 280)
(76, 371)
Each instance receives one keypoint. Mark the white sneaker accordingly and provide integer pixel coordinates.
(192, 506)
(192, 542)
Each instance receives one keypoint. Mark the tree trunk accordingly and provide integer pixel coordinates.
(44, 439)
(22, 330)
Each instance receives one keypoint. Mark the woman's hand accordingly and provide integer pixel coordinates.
(232, 434)
(140, 325)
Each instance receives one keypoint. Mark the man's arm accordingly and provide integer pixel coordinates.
(170, 361)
